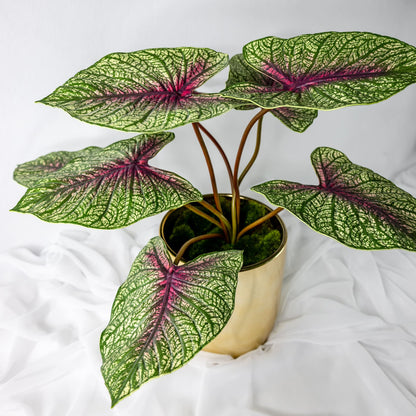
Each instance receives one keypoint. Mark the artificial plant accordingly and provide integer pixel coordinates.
(166, 312)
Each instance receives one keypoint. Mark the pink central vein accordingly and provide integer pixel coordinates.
(302, 82)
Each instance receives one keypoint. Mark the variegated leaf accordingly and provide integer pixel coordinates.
(29, 173)
(109, 188)
(327, 70)
(145, 91)
(297, 119)
(164, 314)
(351, 204)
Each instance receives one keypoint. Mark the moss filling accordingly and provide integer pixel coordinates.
(257, 244)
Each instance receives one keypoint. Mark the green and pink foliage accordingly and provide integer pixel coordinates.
(29, 173)
(145, 91)
(351, 204)
(105, 188)
(326, 70)
(164, 314)
(297, 119)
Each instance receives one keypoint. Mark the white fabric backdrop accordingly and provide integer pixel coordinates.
(345, 339)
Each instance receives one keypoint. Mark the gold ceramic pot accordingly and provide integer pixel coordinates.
(256, 302)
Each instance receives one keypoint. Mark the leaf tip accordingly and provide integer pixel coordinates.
(45, 100)
(20, 206)
(41, 101)
(15, 208)
(256, 188)
(114, 401)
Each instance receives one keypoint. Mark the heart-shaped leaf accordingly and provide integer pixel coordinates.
(109, 188)
(29, 173)
(145, 91)
(297, 119)
(352, 204)
(164, 314)
(327, 70)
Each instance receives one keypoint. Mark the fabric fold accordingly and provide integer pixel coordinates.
(344, 342)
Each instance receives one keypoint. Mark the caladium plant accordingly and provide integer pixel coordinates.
(167, 311)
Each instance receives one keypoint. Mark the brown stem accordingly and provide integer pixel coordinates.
(212, 209)
(235, 208)
(250, 125)
(210, 170)
(220, 150)
(256, 151)
(191, 241)
(203, 215)
(254, 224)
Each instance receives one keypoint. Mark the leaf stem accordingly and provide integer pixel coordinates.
(210, 170)
(235, 203)
(256, 151)
(203, 215)
(244, 137)
(212, 209)
(234, 216)
(191, 241)
(254, 224)
(220, 150)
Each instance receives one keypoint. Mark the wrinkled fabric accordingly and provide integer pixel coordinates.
(344, 342)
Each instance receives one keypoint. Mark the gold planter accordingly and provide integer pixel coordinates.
(256, 302)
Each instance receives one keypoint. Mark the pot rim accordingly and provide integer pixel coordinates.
(244, 268)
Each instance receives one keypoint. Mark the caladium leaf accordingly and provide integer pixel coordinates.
(297, 119)
(109, 187)
(327, 70)
(29, 173)
(164, 314)
(351, 204)
(145, 91)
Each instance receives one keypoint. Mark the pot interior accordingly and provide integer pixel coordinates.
(260, 244)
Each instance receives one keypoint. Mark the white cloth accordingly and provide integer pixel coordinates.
(344, 342)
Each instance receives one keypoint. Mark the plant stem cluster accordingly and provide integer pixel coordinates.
(231, 231)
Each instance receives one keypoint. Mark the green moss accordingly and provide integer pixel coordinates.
(257, 244)
(257, 247)
(180, 233)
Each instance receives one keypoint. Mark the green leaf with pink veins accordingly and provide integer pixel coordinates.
(351, 204)
(297, 119)
(108, 187)
(150, 90)
(164, 314)
(29, 173)
(327, 70)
